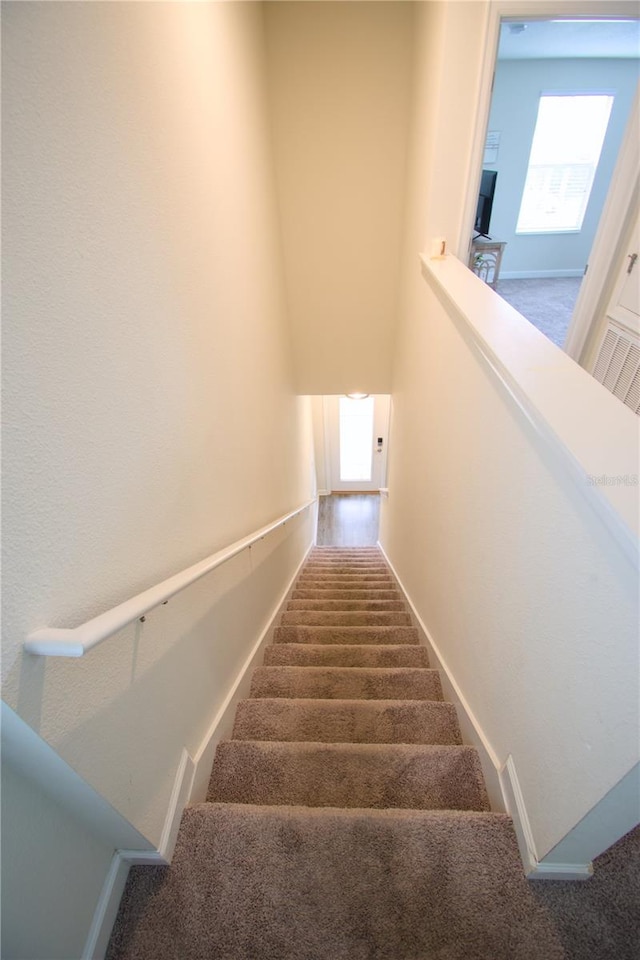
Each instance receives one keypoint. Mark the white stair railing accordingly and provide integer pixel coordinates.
(76, 641)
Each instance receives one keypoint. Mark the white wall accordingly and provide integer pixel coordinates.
(320, 445)
(514, 109)
(150, 413)
(52, 873)
(529, 600)
(533, 609)
(339, 84)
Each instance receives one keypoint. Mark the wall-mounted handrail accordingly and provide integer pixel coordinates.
(76, 641)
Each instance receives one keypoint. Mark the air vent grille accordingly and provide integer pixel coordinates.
(617, 366)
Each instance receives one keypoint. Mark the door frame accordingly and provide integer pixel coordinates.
(332, 451)
(614, 223)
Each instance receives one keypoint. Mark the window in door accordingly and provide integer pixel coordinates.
(565, 151)
(356, 438)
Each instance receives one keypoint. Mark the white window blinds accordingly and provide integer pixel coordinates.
(566, 148)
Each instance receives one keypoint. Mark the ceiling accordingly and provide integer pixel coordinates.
(547, 39)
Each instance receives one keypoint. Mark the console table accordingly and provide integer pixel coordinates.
(485, 259)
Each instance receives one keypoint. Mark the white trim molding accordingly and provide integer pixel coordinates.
(182, 787)
(190, 786)
(106, 910)
(614, 225)
(113, 887)
(534, 868)
(222, 722)
(594, 290)
(538, 274)
(473, 731)
(501, 777)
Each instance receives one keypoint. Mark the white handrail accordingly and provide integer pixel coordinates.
(76, 641)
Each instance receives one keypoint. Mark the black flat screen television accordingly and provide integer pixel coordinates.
(485, 202)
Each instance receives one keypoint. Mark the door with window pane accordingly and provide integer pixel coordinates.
(357, 434)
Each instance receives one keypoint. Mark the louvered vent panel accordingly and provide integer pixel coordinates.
(604, 356)
(632, 398)
(618, 366)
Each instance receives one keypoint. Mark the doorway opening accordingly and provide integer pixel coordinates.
(351, 440)
(355, 439)
(537, 263)
(351, 437)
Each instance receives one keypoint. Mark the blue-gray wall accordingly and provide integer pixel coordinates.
(514, 109)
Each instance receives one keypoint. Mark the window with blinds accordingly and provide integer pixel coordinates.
(565, 151)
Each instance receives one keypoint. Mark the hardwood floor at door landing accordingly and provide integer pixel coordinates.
(348, 520)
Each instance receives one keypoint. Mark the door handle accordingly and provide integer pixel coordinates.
(632, 257)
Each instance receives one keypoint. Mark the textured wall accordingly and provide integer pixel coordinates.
(150, 417)
(529, 601)
(526, 595)
(149, 409)
(339, 88)
(46, 910)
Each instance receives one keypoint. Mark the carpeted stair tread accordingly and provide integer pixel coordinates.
(348, 562)
(347, 683)
(330, 583)
(346, 618)
(346, 821)
(304, 634)
(345, 655)
(347, 559)
(347, 721)
(334, 551)
(294, 883)
(333, 604)
(346, 578)
(351, 573)
(347, 566)
(348, 775)
(326, 591)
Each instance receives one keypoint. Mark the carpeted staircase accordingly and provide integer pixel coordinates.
(345, 818)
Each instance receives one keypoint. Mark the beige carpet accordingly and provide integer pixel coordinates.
(345, 818)
(547, 303)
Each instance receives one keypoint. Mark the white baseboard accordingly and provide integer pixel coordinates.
(516, 808)
(472, 732)
(502, 782)
(182, 786)
(113, 887)
(223, 720)
(106, 910)
(534, 868)
(190, 786)
(324, 493)
(561, 871)
(538, 274)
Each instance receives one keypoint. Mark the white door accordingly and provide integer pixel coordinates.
(625, 302)
(585, 330)
(357, 433)
(617, 362)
